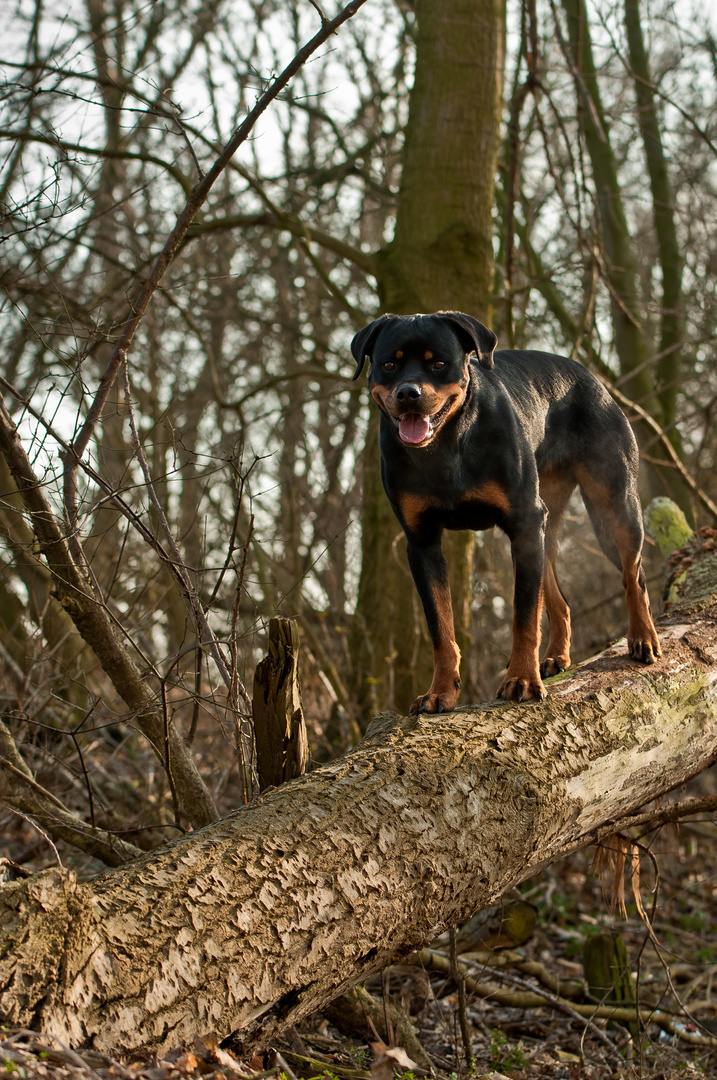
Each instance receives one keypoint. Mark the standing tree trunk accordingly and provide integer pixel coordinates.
(441, 257)
(621, 268)
(257, 920)
(672, 330)
(657, 395)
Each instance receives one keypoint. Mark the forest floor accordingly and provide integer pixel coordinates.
(673, 965)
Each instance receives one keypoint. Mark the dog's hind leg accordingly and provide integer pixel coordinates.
(616, 516)
(556, 486)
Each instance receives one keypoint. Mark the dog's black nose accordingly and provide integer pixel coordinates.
(408, 392)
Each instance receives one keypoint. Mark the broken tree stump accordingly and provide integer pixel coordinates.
(279, 727)
(607, 970)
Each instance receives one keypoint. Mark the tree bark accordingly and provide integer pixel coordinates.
(257, 920)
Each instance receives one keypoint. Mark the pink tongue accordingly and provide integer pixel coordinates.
(413, 428)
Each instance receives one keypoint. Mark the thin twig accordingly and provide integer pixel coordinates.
(73, 735)
(38, 829)
(317, 8)
(167, 755)
(627, 403)
(386, 988)
(431, 959)
(235, 617)
(198, 654)
(243, 477)
(658, 947)
(175, 116)
(27, 779)
(667, 815)
(195, 201)
(236, 683)
(180, 567)
(116, 500)
(459, 975)
(284, 1066)
(558, 1002)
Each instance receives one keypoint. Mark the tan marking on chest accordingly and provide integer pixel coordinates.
(414, 506)
(491, 493)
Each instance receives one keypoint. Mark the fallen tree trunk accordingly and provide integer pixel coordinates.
(259, 919)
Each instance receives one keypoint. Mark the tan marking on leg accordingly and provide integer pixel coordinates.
(557, 654)
(443, 691)
(642, 641)
(522, 679)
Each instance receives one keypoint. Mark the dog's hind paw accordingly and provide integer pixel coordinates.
(553, 665)
(646, 652)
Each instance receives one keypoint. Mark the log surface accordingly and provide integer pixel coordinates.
(257, 920)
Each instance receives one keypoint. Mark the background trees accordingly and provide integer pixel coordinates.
(239, 377)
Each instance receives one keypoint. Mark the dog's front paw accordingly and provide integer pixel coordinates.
(645, 648)
(437, 701)
(553, 665)
(521, 687)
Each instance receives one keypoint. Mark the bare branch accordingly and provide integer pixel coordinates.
(194, 603)
(40, 804)
(80, 598)
(273, 219)
(672, 454)
(196, 200)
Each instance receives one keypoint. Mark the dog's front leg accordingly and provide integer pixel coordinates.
(522, 680)
(430, 574)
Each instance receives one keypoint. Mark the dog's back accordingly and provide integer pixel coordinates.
(566, 413)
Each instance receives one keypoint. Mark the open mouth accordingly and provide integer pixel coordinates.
(416, 428)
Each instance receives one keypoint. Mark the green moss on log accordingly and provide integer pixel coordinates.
(667, 525)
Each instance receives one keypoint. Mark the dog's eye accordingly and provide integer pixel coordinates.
(388, 365)
(438, 365)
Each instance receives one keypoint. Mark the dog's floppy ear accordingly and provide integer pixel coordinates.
(363, 343)
(483, 339)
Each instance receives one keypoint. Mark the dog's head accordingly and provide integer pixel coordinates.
(419, 367)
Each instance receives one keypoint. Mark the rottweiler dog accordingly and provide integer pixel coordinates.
(472, 438)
